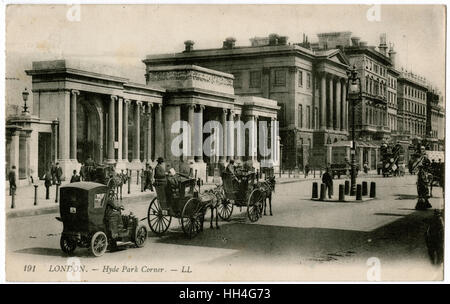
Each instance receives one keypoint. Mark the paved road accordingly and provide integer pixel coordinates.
(303, 240)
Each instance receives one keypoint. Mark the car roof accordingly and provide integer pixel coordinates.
(83, 185)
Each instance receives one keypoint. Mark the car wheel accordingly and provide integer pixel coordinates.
(99, 243)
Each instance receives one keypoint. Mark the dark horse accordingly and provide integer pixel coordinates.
(267, 186)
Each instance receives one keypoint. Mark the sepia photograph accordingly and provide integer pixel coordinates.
(224, 142)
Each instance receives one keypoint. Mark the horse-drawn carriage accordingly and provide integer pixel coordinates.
(185, 203)
(104, 174)
(245, 190)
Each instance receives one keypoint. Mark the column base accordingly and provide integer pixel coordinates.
(136, 164)
(110, 161)
(121, 165)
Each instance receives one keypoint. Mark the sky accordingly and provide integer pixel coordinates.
(122, 35)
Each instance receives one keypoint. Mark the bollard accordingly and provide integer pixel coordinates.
(57, 192)
(47, 193)
(314, 190)
(341, 193)
(121, 185)
(129, 184)
(358, 192)
(35, 194)
(323, 192)
(137, 177)
(347, 187)
(13, 197)
(289, 173)
(372, 189)
(142, 181)
(364, 188)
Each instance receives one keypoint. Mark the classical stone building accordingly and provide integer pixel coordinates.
(309, 86)
(435, 121)
(79, 110)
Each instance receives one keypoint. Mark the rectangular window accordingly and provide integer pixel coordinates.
(237, 80)
(308, 80)
(255, 79)
(280, 78)
(300, 116)
(300, 78)
(308, 117)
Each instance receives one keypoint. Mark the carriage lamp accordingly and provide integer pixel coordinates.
(25, 94)
(354, 95)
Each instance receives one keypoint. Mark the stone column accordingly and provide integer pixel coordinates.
(149, 133)
(323, 101)
(191, 111)
(111, 129)
(369, 158)
(230, 139)
(120, 130)
(238, 138)
(125, 130)
(14, 153)
(344, 124)
(73, 125)
(223, 120)
(330, 123)
(137, 133)
(199, 131)
(159, 132)
(338, 105)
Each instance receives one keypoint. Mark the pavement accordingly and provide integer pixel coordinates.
(25, 195)
(303, 240)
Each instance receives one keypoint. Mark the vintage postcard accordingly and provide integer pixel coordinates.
(165, 143)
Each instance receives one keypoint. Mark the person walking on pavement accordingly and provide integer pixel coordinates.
(59, 174)
(53, 173)
(47, 183)
(12, 180)
(327, 179)
(75, 177)
(306, 170)
(148, 177)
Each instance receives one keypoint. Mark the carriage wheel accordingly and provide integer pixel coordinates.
(225, 209)
(255, 205)
(192, 217)
(157, 221)
(140, 236)
(99, 243)
(68, 245)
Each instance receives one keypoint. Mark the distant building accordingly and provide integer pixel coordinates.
(435, 121)
(309, 86)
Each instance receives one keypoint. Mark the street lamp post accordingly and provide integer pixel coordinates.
(354, 95)
(25, 98)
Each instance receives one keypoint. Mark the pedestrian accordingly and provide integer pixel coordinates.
(75, 177)
(422, 189)
(12, 180)
(59, 174)
(327, 179)
(148, 177)
(306, 170)
(47, 183)
(53, 173)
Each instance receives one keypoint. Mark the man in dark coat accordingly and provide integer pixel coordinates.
(148, 178)
(160, 170)
(422, 189)
(12, 180)
(75, 177)
(327, 179)
(47, 183)
(53, 173)
(59, 174)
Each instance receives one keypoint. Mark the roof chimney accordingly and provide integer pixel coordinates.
(383, 46)
(188, 46)
(229, 43)
(392, 54)
(282, 40)
(273, 39)
(355, 41)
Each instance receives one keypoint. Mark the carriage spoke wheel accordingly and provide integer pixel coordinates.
(192, 217)
(157, 221)
(255, 205)
(140, 236)
(225, 209)
(99, 243)
(68, 245)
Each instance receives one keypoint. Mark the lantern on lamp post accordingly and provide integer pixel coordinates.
(354, 95)
(25, 94)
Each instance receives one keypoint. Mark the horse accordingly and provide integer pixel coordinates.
(267, 186)
(213, 197)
